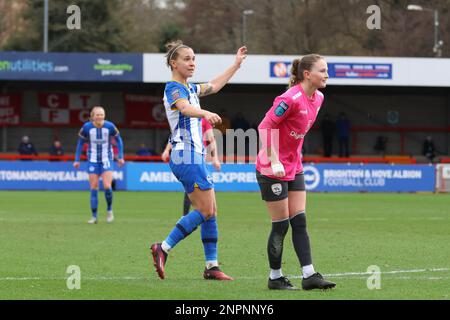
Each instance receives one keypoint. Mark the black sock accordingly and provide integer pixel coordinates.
(300, 239)
(186, 204)
(275, 243)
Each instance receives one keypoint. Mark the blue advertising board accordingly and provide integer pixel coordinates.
(45, 175)
(138, 176)
(360, 70)
(71, 66)
(369, 178)
(320, 178)
(159, 177)
(282, 69)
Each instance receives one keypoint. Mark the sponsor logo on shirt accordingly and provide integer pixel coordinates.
(304, 111)
(297, 135)
(281, 109)
(99, 141)
(175, 94)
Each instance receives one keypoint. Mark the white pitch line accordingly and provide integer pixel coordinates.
(347, 275)
(61, 278)
(382, 219)
(20, 278)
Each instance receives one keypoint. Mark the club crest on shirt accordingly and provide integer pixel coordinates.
(277, 188)
(175, 94)
(281, 109)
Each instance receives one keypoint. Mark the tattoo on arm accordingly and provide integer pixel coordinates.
(206, 89)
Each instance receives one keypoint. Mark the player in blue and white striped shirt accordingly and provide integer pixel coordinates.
(98, 133)
(187, 161)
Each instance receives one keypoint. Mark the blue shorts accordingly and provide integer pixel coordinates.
(99, 167)
(190, 169)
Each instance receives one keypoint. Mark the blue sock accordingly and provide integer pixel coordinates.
(94, 202)
(184, 227)
(209, 232)
(109, 198)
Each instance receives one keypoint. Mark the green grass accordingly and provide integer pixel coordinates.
(42, 233)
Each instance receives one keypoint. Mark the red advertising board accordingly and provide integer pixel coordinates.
(145, 111)
(10, 108)
(66, 108)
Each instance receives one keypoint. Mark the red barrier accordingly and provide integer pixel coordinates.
(71, 158)
(231, 159)
(345, 160)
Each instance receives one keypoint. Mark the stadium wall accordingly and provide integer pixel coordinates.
(427, 112)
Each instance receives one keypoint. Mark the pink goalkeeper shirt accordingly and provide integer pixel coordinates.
(205, 127)
(293, 114)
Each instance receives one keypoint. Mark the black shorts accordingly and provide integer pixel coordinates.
(276, 190)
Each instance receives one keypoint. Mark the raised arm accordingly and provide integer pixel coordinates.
(218, 83)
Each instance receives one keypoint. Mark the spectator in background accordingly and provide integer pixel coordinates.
(327, 127)
(343, 134)
(239, 122)
(429, 149)
(222, 127)
(226, 123)
(381, 144)
(56, 149)
(26, 147)
(84, 149)
(145, 151)
(115, 148)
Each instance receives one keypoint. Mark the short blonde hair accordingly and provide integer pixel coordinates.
(95, 108)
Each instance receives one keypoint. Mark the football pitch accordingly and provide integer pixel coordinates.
(407, 236)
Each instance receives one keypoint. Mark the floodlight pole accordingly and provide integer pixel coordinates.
(45, 26)
(245, 13)
(437, 48)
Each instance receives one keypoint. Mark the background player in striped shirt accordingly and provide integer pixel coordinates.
(98, 134)
(279, 168)
(187, 161)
